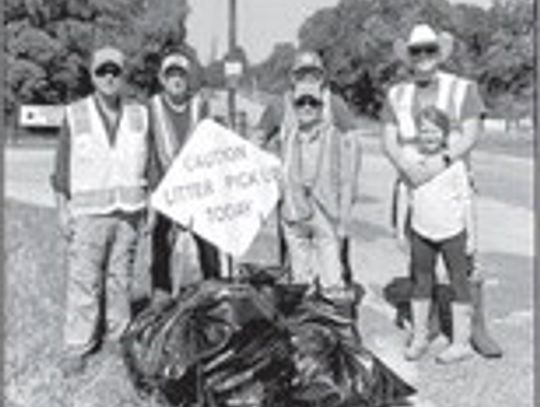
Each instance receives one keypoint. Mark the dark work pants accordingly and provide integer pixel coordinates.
(160, 269)
(424, 253)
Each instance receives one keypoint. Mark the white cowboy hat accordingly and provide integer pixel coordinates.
(423, 34)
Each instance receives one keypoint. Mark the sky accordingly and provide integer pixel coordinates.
(261, 24)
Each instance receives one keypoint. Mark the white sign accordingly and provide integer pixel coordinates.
(41, 115)
(233, 68)
(221, 186)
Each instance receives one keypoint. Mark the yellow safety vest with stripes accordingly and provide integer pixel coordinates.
(105, 178)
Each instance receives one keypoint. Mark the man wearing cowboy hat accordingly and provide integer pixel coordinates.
(174, 112)
(100, 182)
(423, 53)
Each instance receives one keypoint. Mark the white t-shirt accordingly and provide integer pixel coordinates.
(439, 206)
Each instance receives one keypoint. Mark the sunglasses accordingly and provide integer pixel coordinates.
(108, 69)
(307, 101)
(428, 50)
(175, 71)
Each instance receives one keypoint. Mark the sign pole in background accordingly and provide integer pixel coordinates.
(226, 260)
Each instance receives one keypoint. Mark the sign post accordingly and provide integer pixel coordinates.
(227, 261)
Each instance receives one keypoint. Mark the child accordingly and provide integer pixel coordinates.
(438, 225)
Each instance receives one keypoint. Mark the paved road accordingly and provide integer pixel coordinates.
(505, 243)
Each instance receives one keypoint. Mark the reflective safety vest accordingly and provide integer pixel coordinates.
(166, 141)
(105, 178)
(450, 97)
(328, 187)
(440, 207)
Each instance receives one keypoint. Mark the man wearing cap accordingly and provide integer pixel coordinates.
(174, 112)
(101, 187)
(279, 117)
(317, 177)
(307, 68)
(459, 99)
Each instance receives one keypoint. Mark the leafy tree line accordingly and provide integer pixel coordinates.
(49, 43)
(355, 39)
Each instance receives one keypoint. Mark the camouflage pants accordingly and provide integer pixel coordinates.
(101, 252)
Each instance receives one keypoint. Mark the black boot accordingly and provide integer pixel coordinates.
(481, 341)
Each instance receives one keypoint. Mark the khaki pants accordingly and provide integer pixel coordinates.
(101, 253)
(314, 249)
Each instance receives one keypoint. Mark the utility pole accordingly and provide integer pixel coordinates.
(232, 49)
(227, 262)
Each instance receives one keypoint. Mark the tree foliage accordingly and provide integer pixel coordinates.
(355, 40)
(49, 43)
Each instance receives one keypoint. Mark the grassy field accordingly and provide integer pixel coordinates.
(35, 282)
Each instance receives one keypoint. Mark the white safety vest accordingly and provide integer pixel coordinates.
(439, 207)
(166, 141)
(105, 178)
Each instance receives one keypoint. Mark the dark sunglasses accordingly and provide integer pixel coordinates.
(111, 69)
(307, 101)
(423, 49)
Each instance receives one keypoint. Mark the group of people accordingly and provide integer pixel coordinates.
(112, 153)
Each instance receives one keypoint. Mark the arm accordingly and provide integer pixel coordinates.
(349, 169)
(60, 180)
(414, 174)
(267, 129)
(460, 147)
(344, 119)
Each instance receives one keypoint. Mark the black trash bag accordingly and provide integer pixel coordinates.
(333, 367)
(209, 343)
(227, 345)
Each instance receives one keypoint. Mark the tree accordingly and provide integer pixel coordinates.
(272, 75)
(49, 43)
(355, 40)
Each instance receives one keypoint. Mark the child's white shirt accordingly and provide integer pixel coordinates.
(439, 205)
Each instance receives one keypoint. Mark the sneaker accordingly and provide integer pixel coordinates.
(455, 353)
(416, 349)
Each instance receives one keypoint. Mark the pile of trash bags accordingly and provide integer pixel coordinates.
(257, 343)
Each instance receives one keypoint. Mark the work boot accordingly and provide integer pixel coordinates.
(481, 341)
(460, 348)
(419, 342)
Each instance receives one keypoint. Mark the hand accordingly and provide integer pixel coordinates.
(65, 223)
(151, 220)
(416, 174)
(343, 227)
(434, 165)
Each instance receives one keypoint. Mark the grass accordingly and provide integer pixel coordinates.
(35, 293)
